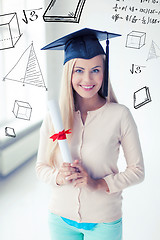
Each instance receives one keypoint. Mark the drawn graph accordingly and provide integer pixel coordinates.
(64, 11)
(154, 51)
(9, 31)
(141, 97)
(27, 69)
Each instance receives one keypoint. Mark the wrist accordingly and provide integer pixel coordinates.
(101, 184)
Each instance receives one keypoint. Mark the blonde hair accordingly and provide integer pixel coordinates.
(67, 102)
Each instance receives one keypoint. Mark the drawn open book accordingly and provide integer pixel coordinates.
(64, 11)
(10, 132)
(141, 97)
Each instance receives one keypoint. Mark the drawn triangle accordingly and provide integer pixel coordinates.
(17, 72)
(27, 69)
(154, 51)
(33, 74)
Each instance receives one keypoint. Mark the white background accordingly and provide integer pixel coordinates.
(141, 209)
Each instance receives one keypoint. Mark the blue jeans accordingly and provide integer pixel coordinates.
(60, 230)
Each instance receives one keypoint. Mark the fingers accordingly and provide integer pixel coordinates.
(74, 176)
(67, 171)
(68, 168)
(64, 172)
(80, 182)
(76, 164)
(71, 173)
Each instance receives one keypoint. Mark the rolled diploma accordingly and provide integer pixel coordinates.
(58, 127)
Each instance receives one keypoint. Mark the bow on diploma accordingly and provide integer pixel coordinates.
(61, 135)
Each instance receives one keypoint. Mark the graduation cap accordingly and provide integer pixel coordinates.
(84, 44)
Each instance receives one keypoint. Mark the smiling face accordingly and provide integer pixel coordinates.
(87, 76)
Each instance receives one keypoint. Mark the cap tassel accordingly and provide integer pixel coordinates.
(105, 88)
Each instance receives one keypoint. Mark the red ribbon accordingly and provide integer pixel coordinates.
(61, 135)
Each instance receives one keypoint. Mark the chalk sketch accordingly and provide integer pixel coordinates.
(27, 69)
(10, 132)
(154, 51)
(135, 39)
(10, 31)
(22, 110)
(141, 97)
(64, 11)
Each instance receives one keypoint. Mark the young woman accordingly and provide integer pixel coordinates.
(86, 200)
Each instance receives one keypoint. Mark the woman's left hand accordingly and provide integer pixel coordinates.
(81, 178)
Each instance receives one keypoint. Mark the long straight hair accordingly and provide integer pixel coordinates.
(67, 102)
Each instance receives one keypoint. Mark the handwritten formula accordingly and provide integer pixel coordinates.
(30, 15)
(144, 12)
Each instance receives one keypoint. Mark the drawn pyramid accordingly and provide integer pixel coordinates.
(27, 69)
(154, 51)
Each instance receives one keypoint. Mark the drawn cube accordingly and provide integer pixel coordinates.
(9, 29)
(22, 110)
(135, 39)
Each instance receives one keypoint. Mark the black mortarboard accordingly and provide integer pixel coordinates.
(84, 44)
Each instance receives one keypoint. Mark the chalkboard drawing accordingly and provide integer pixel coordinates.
(141, 97)
(27, 69)
(10, 31)
(154, 51)
(135, 39)
(64, 11)
(10, 132)
(22, 110)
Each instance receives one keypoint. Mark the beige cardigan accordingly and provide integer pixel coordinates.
(96, 144)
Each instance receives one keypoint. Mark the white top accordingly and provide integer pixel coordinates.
(96, 144)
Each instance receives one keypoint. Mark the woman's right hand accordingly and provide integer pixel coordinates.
(64, 171)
